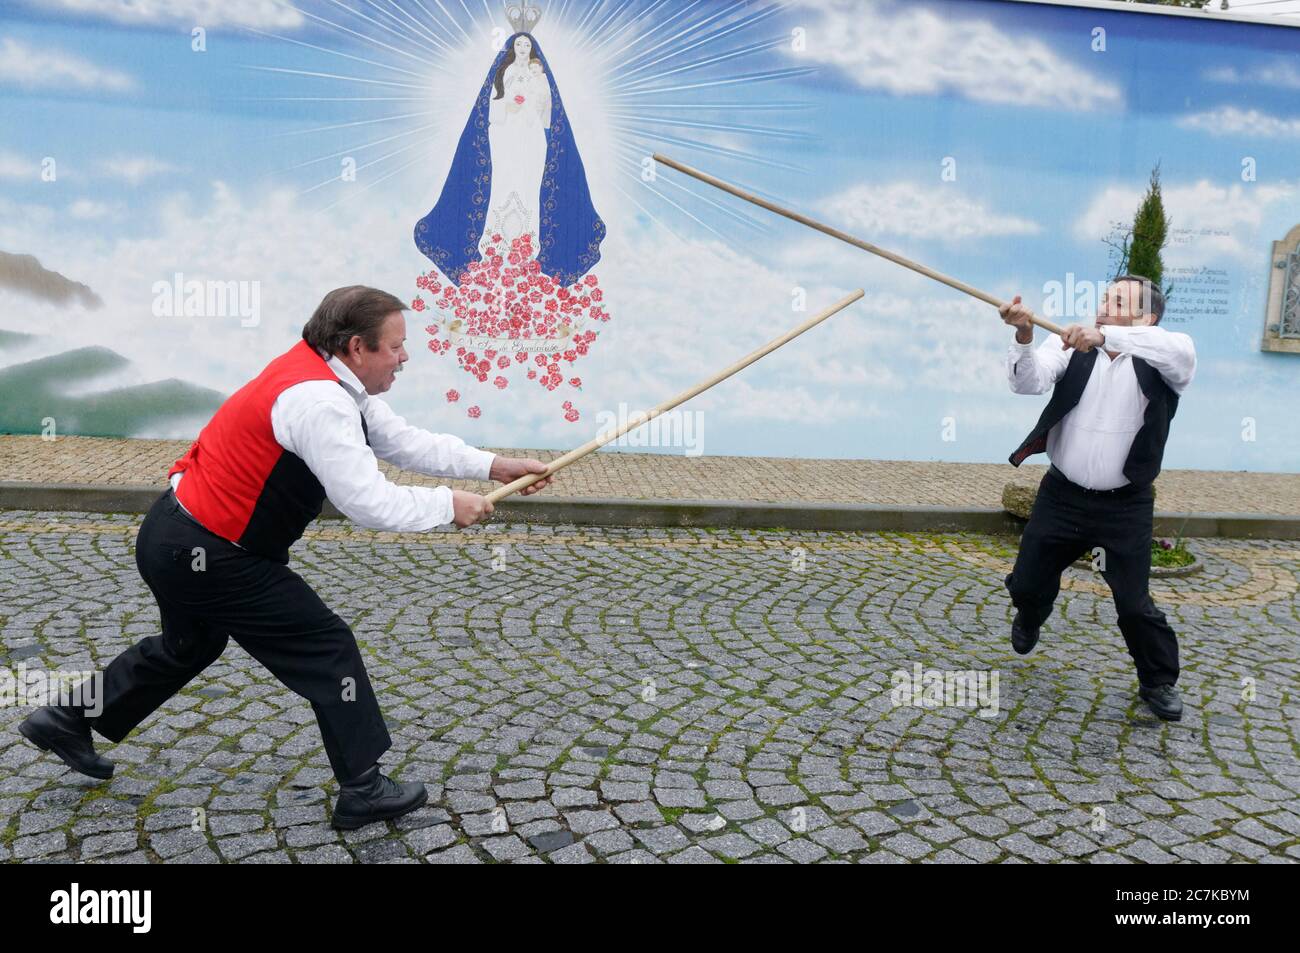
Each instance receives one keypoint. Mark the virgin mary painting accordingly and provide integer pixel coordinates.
(516, 172)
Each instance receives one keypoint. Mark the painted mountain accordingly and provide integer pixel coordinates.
(62, 387)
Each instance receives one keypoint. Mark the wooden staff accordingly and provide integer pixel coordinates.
(845, 237)
(637, 420)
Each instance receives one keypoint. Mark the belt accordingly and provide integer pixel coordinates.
(182, 513)
(1128, 489)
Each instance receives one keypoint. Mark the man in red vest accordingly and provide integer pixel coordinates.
(214, 548)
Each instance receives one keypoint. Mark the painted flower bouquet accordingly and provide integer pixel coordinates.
(504, 318)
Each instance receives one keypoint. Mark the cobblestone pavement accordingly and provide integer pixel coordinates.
(576, 695)
(672, 476)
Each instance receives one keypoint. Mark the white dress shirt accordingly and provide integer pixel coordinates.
(1091, 443)
(319, 422)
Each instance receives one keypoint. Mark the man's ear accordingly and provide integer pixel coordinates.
(1148, 320)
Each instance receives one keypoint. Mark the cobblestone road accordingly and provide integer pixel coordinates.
(575, 695)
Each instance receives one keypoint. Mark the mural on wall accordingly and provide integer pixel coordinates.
(180, 184)
(514, 234)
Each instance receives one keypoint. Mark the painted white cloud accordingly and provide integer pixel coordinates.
(87, 209)
(1279, 73)
(914, 337)
(699, 306)
(134, 169)
(42, 68)
(16, 167)
(1232, 121)
(1210, 221)
(262, 14)
(908, 51)
(931, 212)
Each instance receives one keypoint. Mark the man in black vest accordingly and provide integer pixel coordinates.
(1115, 388)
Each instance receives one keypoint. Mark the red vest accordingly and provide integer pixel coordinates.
(239, 482)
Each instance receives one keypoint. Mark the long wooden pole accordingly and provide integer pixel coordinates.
(638, 419)
(849, 239)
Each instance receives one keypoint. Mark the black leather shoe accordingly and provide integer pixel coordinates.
(1164, 700)
(1023, 638)
(376, 797)
(66, 733)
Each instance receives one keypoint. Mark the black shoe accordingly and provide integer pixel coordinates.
(1023, 638)
(1164, 700)
(66, 733)
(376, 797)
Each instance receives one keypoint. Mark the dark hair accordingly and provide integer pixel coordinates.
(499, 82)
(346, 312)
(1153, 299)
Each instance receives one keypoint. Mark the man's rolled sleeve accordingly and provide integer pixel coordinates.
(1172, 353)
(1034, 369)
(412, 448)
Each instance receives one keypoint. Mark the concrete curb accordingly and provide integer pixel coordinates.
(741, 514)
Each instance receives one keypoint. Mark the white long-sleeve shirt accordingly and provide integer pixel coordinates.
(318, 421)
(1092, 442)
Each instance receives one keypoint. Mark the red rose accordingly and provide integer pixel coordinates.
(500, 383)
(474, 411)
(519, 100)
(575, 382)
(452, 396)
(571, 415)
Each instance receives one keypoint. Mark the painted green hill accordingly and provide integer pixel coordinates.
(34, 390)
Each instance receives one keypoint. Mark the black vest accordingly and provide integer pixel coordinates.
(1143, 463)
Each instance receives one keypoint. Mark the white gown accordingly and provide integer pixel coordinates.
(517, 136)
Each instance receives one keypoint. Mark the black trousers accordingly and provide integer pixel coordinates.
(210, 590)
(1067, 522)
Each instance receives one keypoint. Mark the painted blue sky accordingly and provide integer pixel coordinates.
(224, 164)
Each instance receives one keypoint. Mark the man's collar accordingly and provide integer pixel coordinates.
(350, 380)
